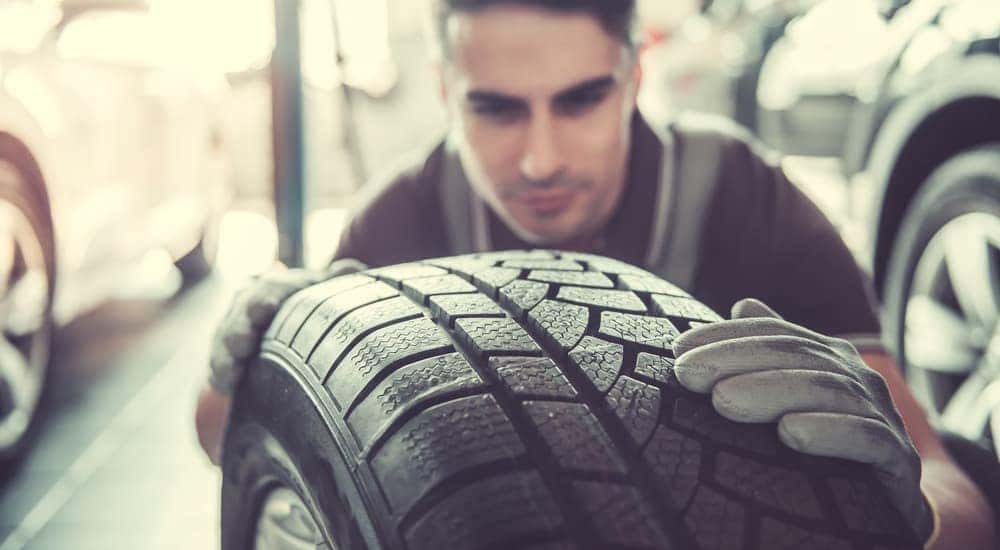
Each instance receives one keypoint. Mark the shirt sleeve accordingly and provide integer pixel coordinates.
(779, 247)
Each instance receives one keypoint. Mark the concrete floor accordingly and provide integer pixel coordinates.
(116, 463)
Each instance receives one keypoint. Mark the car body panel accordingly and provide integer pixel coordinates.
(828, 62)
(129, 147)
(940, 68)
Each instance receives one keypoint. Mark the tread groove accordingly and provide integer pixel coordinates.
(641, 473)
(550, 416)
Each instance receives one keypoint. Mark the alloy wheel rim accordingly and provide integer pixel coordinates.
(285, 523)
(951, 343)
(24, 332)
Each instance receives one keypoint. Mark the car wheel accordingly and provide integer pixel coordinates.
(943, 292)
(511, 400)
(26, 288)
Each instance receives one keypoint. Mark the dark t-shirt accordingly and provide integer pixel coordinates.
(762, 237)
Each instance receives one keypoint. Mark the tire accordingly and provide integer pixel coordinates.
(514, 400)
(27, 285)
(963, 194)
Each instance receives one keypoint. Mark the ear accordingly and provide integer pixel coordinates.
(637, 71)
(438, 69)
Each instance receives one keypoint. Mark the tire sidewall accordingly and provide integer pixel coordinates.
(967, 183)
(276, 437)
(27, 194)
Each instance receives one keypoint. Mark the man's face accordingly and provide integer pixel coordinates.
(540, 103)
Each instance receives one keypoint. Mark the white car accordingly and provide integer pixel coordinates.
(110, 151)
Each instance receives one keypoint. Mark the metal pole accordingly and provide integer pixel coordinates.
(288, 133)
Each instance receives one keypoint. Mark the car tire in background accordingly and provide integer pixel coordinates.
(27, 268)
(513, 400)
(943, 290)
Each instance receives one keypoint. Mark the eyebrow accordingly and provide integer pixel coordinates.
(589, 86)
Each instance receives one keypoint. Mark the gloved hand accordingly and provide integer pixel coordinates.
(761, 368)
(238, 337)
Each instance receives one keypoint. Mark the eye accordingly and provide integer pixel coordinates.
(580, 102)
(502, 111)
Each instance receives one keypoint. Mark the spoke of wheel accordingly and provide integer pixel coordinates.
(937, 339)
(970, 408)
(969, 262)
(16, 371)
(6, 259)
(22, 308)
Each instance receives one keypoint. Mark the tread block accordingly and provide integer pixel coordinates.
(676, 461)
(607, 265)
(332, 310)
(562, 325)
(408, 386)
(614, 299)
(505, 255)
(694, 412)
(350, 327)
(575, 437)
(450, 307)
(554, 265)
(465, 265)
(490, 336)
(489, 280)
(776, 487)
(532, 377)
(379, 350)
(404, 272)
(781, 536)
(655, 285)
(592, 279)
(619, 514)
(487, 514)
(863, 508)
(441, 442)
(601, 361)
(521, 296)
(297, 308)
(685, 308)
(655, 367)
(648, 331)
(423, 288)
(716, 522)
(637, 405)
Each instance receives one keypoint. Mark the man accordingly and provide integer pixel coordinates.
(546, 149)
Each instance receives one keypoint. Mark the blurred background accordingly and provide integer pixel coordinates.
(142, 181)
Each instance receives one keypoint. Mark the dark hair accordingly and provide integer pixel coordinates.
(616, 17)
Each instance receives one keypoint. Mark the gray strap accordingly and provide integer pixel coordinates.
(687, 185)
(457, 204)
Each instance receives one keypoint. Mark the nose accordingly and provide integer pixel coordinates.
(541, 160)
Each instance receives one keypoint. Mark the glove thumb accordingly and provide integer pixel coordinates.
(750, 307)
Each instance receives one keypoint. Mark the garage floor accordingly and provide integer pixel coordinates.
(116, 464)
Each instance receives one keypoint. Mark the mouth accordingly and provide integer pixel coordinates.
(547, 203)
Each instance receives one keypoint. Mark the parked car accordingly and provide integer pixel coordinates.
(708, 58)
(905, 94)
(109, 149)
(924, 172)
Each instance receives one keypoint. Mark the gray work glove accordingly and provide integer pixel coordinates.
(238, 337)
(761, 368)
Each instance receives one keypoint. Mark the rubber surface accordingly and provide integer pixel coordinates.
(526, 399)
(31, 199)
